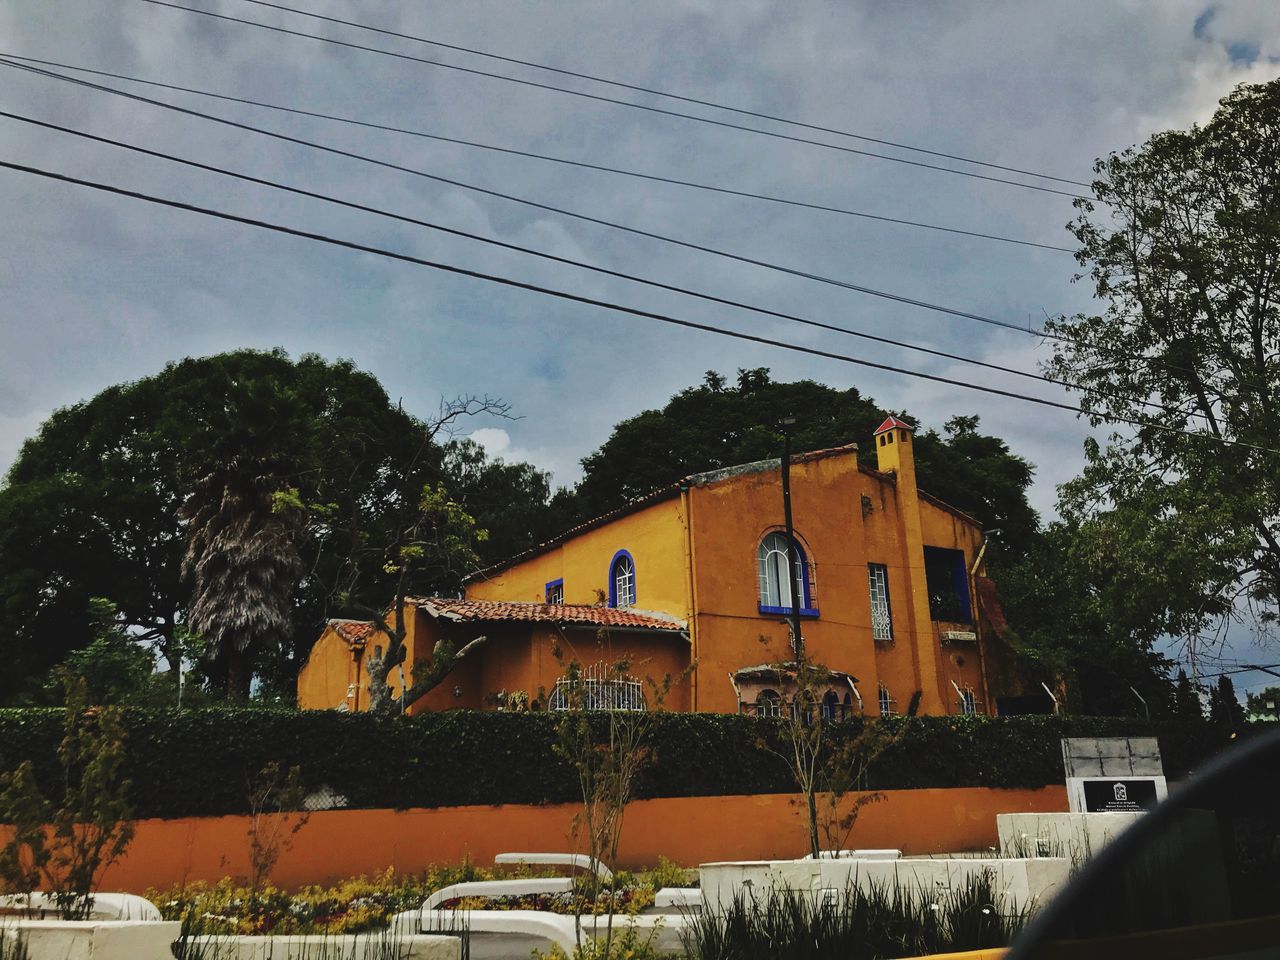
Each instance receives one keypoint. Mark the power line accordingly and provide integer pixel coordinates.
(546, 157)
(633, 278)
(625, 103)
(689, 245)
(664, 93)
(605, 304)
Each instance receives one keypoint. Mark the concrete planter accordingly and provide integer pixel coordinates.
(1076, 836)
(93, 939)
(1019, 882)
(376, 945)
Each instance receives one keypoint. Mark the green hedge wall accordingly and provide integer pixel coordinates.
(200, 762)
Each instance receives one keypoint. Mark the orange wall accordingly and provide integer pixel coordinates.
(689, 830)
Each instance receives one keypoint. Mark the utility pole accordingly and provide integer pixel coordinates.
(793, 554)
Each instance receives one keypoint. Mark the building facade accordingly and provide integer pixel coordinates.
(889, 581)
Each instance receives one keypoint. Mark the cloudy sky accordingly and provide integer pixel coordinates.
(100, 289)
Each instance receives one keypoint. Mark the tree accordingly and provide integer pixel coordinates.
(1265, 703)
(284, 469)
(1182, 244)
(424, 538)
(1224, 706)
(1073, 621)
(715, 425)
(113, 669)
(1186, 699)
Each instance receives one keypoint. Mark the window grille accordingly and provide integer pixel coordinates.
(968, 705)
(768, 704)
(775, 586)
(888, 705)
(881, 616)
(624, 582)
(555, 593)
(597, 688)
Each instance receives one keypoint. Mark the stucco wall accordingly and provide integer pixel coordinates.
(689, 830)
(654, 536)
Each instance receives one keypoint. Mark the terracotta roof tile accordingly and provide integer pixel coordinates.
(353, 631)
(890, 423)
(486, 611)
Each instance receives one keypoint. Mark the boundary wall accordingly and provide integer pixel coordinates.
(337, 844)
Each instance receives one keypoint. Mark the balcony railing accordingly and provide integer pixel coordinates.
(596, 689)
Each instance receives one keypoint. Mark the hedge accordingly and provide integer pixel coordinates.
(200, 762)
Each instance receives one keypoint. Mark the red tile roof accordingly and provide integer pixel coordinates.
(892, 422)
(485, 611)
(353, 631)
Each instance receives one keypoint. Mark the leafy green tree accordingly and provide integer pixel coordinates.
(1182, 244)
(112, 669)
(510, 501)
(1069, 626)
(715, 425)
(93, 507)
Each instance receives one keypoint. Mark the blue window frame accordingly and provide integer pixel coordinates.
(622, 580)
(555, 592)
(775, 584)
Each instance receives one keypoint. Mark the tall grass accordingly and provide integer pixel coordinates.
(13, 945)
(860, 924)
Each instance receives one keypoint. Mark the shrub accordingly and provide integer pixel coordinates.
(197, 762)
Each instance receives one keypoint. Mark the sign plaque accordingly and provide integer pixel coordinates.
(1113, 774)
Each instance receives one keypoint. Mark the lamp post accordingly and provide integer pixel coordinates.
(793, 554)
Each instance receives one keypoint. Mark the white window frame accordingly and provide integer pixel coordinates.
(771, 557)
(886, 702)
(624, 582)
(881, 609)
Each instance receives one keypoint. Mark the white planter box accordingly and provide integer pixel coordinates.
(1076, 836)
(1018, 881)
(374, 945)
(93, 939)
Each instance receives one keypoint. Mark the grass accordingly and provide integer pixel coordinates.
(861, 924)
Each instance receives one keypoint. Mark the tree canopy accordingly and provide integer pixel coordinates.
(93, 505)
(1182, 246)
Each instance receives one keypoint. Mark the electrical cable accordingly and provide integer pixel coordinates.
(633, 278)
(625, 103)
(664, 93)
(791, 271)
(826, 208)
(608, 305)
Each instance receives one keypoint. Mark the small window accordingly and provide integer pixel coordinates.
(768, 704)
(622, 581)
(881, 615)
(555, 592)
(775, 586)
(947, 581)
(968, 705)
(888, 705)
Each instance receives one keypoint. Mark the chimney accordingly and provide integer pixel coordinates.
(894, 454)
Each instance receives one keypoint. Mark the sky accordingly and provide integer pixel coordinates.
(100, 289)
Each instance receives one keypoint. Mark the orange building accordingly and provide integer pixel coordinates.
(694, 581)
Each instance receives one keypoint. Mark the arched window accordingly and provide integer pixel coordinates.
(831, 706)
(888, 706)
(622, 580)
(768, 704)
(775, 585)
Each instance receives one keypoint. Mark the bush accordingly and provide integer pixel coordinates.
(202, 762)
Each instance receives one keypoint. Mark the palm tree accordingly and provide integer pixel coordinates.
(243, 560)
